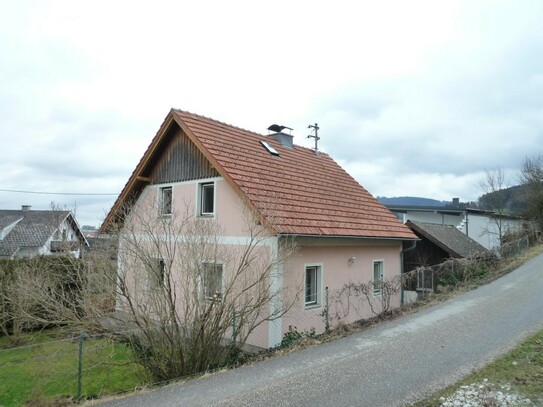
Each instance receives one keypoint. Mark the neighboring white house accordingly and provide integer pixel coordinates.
(28, 233)
(482, 226)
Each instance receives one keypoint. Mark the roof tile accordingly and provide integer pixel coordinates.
(302, 192)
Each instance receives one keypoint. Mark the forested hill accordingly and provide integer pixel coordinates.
(411, 201)
(512, 200)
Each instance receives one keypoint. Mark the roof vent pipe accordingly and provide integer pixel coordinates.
(285, 139)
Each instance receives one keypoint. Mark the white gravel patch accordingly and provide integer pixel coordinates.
(484, 395)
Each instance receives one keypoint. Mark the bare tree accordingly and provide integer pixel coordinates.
(531, 178)
(189, 292)
(494, 199)
(54, 291)
(185, 295)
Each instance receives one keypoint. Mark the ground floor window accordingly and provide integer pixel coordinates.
(156, 274)
(212, 275)
(378, 276)
(313, 279)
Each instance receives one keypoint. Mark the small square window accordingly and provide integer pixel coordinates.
(378, 274)
(207, 199)
(166, 201)
(312, 285)
(212, 274)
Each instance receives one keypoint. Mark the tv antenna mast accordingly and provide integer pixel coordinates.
(315, 129)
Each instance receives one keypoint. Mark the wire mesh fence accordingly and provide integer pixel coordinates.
(453, 272)
(74, 367)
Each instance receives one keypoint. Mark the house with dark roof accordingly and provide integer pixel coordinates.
(27, 233)
(438, 243)
(219, 173)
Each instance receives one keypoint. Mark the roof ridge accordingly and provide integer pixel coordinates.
(216, 121)
(238, 127)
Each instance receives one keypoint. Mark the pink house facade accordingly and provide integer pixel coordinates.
(236, 179)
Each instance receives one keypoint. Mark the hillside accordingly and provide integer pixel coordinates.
(410, 201)
(513, 200)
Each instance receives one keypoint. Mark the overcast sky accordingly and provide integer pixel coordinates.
(412, 98)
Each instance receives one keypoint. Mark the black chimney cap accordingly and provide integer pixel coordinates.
(278, 128)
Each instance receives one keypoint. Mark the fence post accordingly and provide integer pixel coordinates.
(80, 366)
(326, 311)
(234, 329)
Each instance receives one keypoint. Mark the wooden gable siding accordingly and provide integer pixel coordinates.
(181, 161)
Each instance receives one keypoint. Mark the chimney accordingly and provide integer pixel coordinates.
(25, 208)
(284, 138)
(456, 202)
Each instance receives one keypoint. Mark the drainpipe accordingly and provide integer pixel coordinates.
(413, 245)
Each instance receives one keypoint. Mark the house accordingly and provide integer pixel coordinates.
(482, 226)
(438, 243)
(219, 173)
(27, 233)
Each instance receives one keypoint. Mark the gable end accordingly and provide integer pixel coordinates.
(180, 160)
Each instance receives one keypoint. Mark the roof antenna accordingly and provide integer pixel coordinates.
(315, 128)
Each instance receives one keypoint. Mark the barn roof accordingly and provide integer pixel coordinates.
(450, 239)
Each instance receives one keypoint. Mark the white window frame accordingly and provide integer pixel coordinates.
(203, 283)
(377, 291)
(318, 267)
(201, 187)
(161, 200)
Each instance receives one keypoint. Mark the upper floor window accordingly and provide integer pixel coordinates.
(378, 275)
(166, 201)
(207, 199)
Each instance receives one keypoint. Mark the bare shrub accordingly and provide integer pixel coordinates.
(358, 298)
(188, 293)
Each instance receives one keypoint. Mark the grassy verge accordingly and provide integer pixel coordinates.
(520, 371)
(45, 371)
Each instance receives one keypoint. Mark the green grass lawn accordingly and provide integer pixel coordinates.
(46, 368)
(521, 369)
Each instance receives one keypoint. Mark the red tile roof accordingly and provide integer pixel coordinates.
(297, 192)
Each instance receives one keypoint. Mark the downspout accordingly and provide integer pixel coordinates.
(413, 245)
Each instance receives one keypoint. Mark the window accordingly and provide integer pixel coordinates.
(166, 201)
(207, 199)
(212, 280)
(312, 285)
(156, 274)
(270, 149)
(378, 274)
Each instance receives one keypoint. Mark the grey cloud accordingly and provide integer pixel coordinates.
(469, 121)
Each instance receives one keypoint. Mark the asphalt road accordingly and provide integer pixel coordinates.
(391, 365)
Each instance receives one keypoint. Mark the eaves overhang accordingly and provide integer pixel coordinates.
(348, 237)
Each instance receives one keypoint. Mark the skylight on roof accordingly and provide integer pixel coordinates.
(270, 149)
